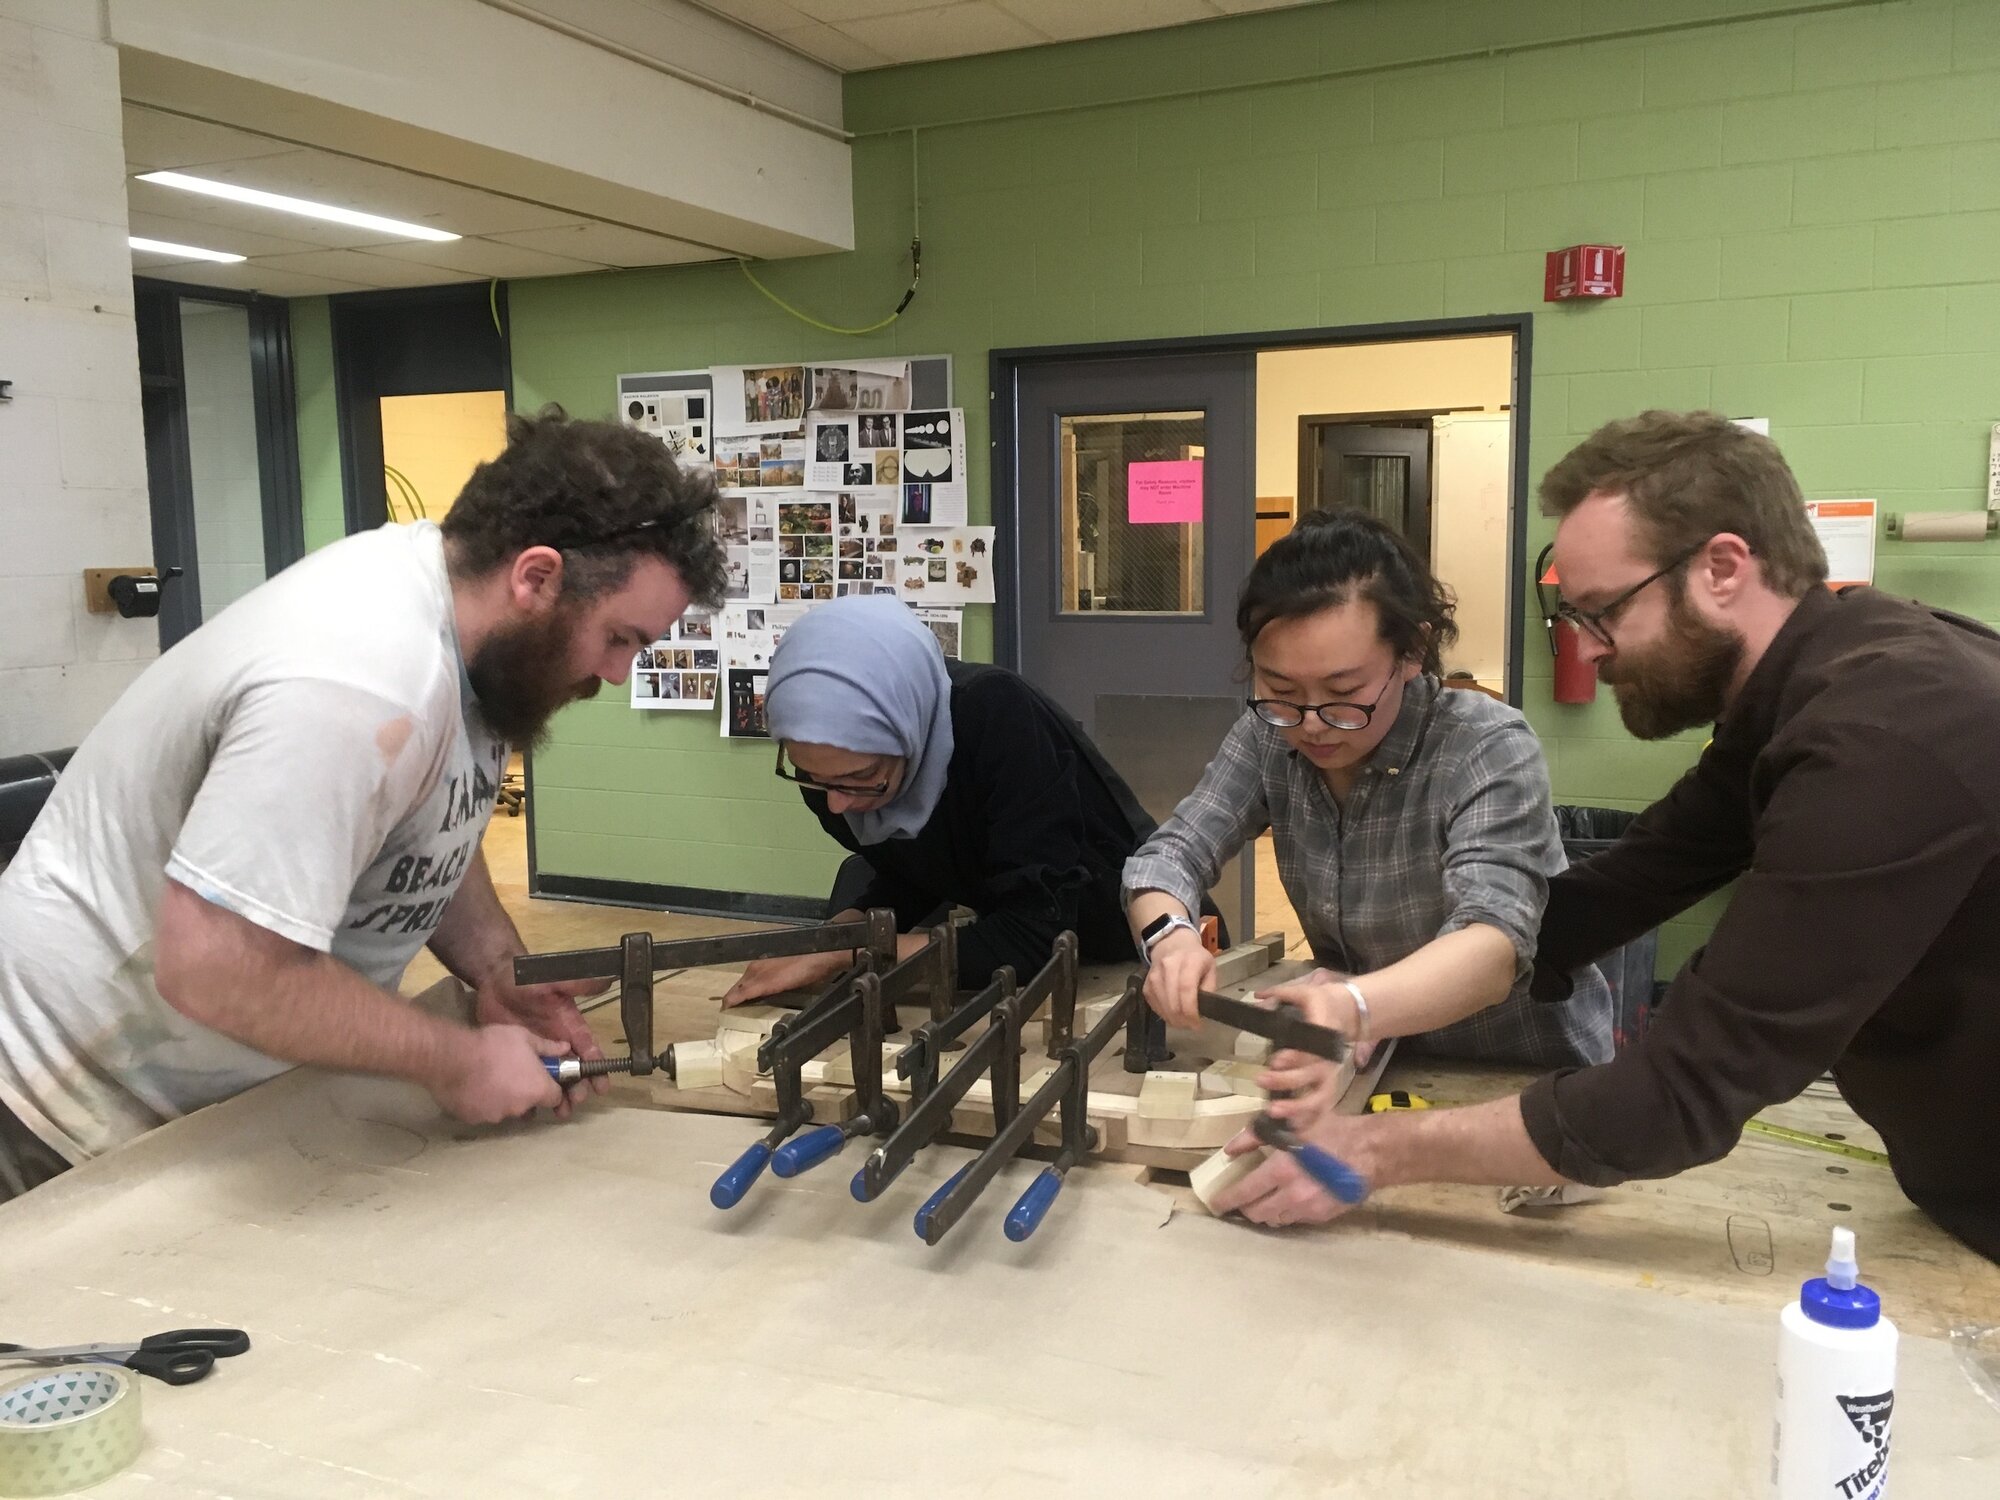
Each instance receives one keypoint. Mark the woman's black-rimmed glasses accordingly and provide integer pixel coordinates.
(1348, 716)
(814, 784)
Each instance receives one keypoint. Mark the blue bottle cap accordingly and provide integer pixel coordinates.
(1856, 1306)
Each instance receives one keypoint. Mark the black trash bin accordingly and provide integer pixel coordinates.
(25, 784)
(1628, 971)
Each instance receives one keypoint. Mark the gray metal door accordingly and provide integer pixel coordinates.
(1130, 558)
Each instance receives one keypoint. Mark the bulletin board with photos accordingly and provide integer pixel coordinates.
(834, 481)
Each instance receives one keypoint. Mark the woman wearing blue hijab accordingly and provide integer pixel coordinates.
(950, 783)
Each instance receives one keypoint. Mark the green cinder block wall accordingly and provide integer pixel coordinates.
(1809, 194)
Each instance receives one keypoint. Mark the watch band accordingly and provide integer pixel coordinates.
(1158, 928)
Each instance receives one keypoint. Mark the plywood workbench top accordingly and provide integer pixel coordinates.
(555, 1310)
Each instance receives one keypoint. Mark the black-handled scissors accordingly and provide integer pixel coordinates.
(180, 1356)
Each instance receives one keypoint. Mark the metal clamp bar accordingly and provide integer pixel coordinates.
(918, 1063)
(950, 1206)
(1283, 1024)
(876, 932)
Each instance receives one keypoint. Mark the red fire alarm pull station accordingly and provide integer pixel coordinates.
(1584, 271)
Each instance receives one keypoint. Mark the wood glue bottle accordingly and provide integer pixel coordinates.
(1836, 1387)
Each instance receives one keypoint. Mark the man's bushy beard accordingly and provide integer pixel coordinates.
(1681, 681)
(520, 674)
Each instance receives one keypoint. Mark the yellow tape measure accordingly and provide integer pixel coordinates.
(1816, 1142)
(1396, 1099)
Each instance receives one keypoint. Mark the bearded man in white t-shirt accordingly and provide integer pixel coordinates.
(282, 810)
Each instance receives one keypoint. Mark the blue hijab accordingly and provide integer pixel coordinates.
(865, 674)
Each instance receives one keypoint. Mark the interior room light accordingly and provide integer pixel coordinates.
(284, 204)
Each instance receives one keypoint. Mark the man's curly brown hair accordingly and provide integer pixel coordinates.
(601, 493)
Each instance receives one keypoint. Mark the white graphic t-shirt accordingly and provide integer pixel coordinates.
(313, 760)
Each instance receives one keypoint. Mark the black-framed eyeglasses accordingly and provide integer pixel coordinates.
(814, 784)
(1596, 623)
(1348, 716)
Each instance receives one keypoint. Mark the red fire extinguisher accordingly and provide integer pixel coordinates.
(1575, 678)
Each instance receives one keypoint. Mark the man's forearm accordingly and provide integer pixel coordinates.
(476, 935)
(1479, 1143)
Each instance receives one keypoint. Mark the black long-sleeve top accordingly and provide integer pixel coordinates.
(1853, 791)
(1030, 834)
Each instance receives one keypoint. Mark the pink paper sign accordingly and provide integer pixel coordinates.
(1163, 493)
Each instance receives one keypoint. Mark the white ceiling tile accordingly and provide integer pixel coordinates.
(254, 276)
(477, 257)
(362, 268)
(1067, 21)
(767, 16)
(943, 31)
(840, 12)
(156, 140)
(209, 235)
(610, 245)
(834, 48)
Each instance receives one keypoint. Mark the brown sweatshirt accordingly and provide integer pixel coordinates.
(1854, 789)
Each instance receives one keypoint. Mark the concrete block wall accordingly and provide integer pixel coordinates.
(72, 448)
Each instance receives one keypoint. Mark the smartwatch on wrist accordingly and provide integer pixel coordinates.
(1158, 928)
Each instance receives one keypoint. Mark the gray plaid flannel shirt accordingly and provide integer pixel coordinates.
(1450, 824)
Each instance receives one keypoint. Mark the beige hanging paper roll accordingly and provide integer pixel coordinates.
(1945, 526)
(68, 1429)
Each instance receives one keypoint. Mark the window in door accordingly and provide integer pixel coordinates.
(1112, 564)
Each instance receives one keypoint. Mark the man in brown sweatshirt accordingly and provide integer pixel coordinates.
(1852, 790)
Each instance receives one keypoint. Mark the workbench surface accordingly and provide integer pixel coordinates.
(555, 1310)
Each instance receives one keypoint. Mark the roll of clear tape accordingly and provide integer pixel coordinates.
(1945, 526)
(67, 1429)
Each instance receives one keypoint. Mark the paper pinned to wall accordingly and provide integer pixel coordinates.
(1846, 530)
(948, 625)
(678, 418)
(759, 398)
(952, 565)
(1164, 493)
(862, 385)
(682, 669)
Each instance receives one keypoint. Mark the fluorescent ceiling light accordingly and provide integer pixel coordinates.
(304, 206)
(182, 252)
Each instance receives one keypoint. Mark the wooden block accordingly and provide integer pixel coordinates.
(1244, 961)
(1221, 1172)
(1238, 1107)
(1251, 1048)
(1168, 1096)
(1274, 943)
(697, 1065)
(739, 1061)
(1232, 1078)
(752, 1020)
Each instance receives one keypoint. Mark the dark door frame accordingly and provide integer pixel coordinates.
(416, 341)
(169, 475)
(1004, 367)
(1310, 467)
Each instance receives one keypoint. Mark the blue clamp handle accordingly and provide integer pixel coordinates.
(1331, 1173)
(803, 1152)
(931, 1203)
(859, 1187)
(1027, 1215)
(735, 1182)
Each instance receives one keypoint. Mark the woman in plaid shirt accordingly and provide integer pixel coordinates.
(1413, 828)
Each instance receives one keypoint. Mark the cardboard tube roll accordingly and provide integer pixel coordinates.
(1945, 526)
